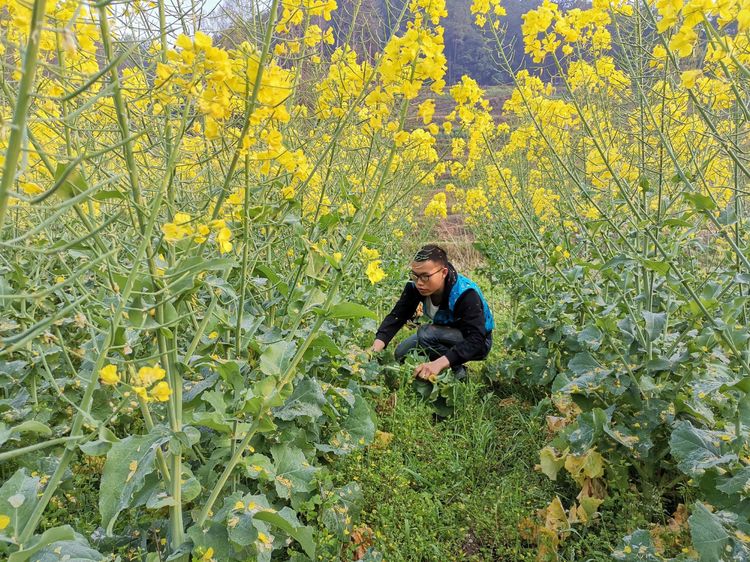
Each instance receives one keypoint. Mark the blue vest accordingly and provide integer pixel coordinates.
(462, 285)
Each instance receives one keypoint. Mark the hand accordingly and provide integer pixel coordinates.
(429, 371)
(377, 346)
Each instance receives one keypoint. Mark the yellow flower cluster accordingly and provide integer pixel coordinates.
(108, 375)
(472, 113)
(594, 78)
(682, 17)
(476, 206)
(437, 207)
(295, 11)
(547, 28)
(371, 259)
(483, 7)
(181, 228)
(146, 377)
(411, 59)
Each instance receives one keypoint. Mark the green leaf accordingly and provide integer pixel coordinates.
(72, 185)
(212, 535)
(728, 216)
(591, 337)
(697, 450)
(128, 463)
(358, 430)
(54, 546)
(700, 202)
(242, 530)
(638, 547)
(276, 357)
(655, 323)
(38, 542)
(661, 267)
(340, 516)
(286, 520)
(30, 426)
(102, 445)
(708, 534)
(161, 497)
(583, 363)
(351, 310)
(293, 473)
(306, 400)
(197, 264)
(737, 484)
(323, 341)
(18, 496)
(259, 466)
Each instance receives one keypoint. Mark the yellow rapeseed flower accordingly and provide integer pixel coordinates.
(4, 521)
(108, 375)
(437, 207)
(427, 110)
(374, 272)
(161, 392)
(149, 375)
(264, 538)
(222, 238)
(689, 77)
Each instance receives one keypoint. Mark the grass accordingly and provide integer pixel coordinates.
(459, 488)
(454, 489)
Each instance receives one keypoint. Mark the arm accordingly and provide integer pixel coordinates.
(469, 319)
(402, 311)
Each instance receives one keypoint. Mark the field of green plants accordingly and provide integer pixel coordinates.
(199, 233)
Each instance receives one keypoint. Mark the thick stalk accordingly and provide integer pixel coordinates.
(23, 101)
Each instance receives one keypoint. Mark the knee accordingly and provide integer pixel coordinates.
(427, 334)
(403, 349)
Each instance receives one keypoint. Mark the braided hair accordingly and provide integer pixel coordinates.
(432, 252)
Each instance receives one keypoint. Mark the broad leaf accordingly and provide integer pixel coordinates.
(243, 530)
(18, 496)
(638, 547)
(128, 462)
(655, 323)
(550, 462)
(61, 543)
(700, 202)
(339, 517)
(709, 536)
(275, 358)
(294, 474)
(697, 450)
(737, 484)
(306, 400)
(351, 310)
(358, 430)
(286, 520)
(212, 536)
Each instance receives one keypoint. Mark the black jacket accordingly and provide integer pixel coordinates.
(468, 315)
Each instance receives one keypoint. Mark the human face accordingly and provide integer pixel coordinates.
(435, 274)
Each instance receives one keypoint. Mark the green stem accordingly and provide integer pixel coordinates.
(35, 447)
(23, 102)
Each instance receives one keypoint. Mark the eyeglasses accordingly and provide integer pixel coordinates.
(423, 277)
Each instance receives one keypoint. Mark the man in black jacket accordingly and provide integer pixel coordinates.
(462, 322)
